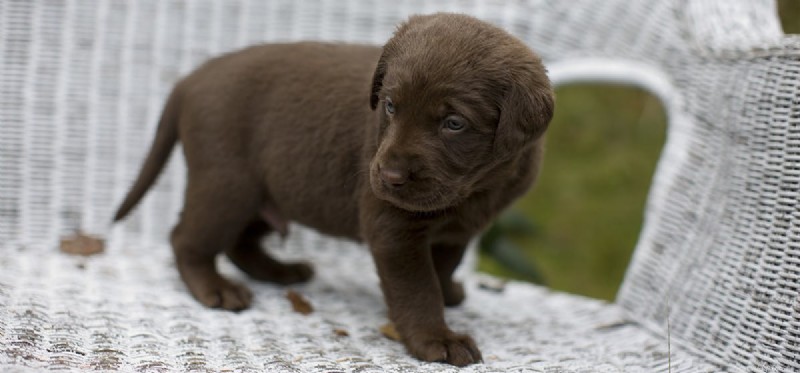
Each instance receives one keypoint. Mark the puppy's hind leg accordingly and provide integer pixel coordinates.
(215, 211)
(251, 258)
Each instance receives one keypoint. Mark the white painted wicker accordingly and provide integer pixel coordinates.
(81, 85)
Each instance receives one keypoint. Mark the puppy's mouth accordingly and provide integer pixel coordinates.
(416, 195)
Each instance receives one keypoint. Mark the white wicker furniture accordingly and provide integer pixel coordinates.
(81, 85)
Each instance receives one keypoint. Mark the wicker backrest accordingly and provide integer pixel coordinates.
(82, 83)
(719, 253)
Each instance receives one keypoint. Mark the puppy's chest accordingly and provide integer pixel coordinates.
(467, 219)
(482, 208)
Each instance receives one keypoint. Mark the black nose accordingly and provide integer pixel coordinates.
(393, 176)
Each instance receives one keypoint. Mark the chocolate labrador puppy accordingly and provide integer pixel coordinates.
(412, 148)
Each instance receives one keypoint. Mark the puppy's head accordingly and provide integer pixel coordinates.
(457, 98)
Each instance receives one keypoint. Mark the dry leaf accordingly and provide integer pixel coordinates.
(82, 244)
(390, 332)
(299, 303)
(341, 333)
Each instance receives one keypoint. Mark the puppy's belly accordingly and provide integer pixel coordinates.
(326, 208)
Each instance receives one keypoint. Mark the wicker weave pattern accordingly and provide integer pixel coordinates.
(124, 312)
(82, 84)
(723, 250)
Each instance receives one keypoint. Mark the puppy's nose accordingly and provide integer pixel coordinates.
(394, 177)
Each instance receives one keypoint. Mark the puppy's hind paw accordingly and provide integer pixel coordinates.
(280, 273)
(224, 294)
(293, 273)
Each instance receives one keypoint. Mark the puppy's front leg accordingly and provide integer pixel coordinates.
(414, 297)
(446, 258)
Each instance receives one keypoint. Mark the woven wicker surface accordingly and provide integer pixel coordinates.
(81, 86)
(720, 255)
(124, 311)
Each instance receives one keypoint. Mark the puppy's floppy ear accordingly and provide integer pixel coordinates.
(377, 81)
(525, 112)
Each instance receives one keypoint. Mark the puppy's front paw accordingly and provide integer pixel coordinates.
(452, 348)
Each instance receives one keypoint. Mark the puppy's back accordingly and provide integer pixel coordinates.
(297, 114)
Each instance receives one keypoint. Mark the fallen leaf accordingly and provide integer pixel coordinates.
(82, 244)
(299, 303)
(341, 333)
(390, 332)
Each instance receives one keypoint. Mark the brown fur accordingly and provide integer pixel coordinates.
(317, 134)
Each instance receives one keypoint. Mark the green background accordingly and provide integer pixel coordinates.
(586, 210)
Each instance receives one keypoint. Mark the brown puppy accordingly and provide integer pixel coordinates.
(414, 155)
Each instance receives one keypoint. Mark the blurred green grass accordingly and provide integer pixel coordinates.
(789, 11)
(587, 207)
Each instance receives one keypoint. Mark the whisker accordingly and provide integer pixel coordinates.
(354, 176)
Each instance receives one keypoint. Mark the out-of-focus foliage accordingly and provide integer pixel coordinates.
(789, 11)
(602, 147)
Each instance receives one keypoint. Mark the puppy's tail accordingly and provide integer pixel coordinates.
(166, 137)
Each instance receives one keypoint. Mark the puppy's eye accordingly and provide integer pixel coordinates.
(389, 106)
(453, 124)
